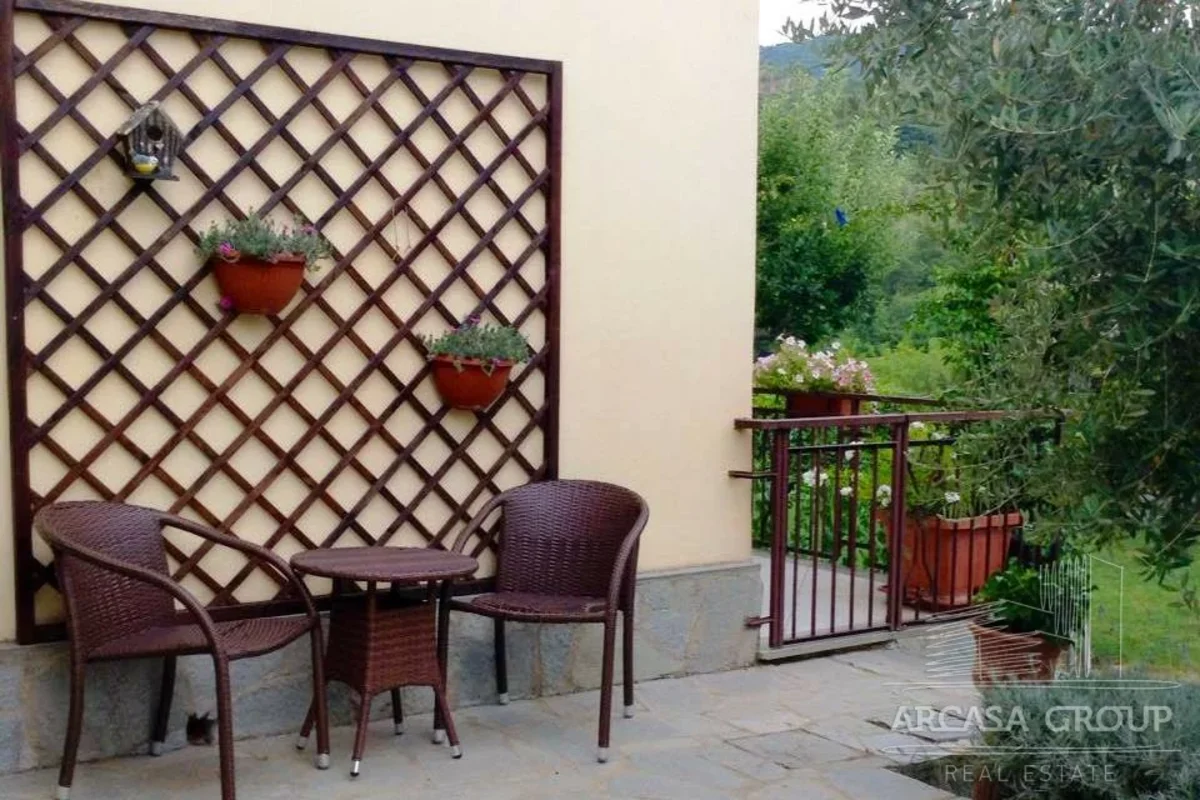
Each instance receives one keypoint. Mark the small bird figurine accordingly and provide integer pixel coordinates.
(145, 164)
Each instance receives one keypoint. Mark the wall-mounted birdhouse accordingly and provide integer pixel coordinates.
(151, 142)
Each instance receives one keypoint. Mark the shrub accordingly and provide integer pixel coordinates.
(1017, 592)
(1049, 759)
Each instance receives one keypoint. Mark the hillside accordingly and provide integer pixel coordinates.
(783, 57)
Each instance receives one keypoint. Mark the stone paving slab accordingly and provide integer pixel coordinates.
(789, 731)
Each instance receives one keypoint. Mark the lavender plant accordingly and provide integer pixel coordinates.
(472, 340)
(263, 239)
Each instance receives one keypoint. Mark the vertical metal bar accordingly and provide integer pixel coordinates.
(795, 537)
(872, 563)
(899, 520)
(779, 531)
(815, 540)
(836, 549)
(987, 545)
(855, 465)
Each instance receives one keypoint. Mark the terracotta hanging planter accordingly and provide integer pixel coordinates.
(253, 286)
(821, 404)
(469, 383)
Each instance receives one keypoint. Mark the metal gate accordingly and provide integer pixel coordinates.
(845, 560)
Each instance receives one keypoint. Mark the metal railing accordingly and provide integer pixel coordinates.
(830, 504)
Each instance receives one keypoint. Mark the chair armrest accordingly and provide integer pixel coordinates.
(136, 573)
(257, 552)
(621, 565)
(473, 526)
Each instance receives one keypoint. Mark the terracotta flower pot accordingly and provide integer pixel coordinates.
(944, 562)
(254, 286)
(820, 404)
(1002, 655)
(985, 789)
(469, 383)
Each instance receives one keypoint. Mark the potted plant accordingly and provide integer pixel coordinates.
(956, 534)
(815, 383)
(471, 363)
(259, 266)
(1017, 640)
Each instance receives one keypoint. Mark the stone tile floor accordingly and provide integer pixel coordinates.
(807, 730)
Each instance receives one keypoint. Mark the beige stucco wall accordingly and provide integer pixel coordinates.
(657, 236)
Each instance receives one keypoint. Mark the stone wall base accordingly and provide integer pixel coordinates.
(687, 621)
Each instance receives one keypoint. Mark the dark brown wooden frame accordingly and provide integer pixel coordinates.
(30, 575)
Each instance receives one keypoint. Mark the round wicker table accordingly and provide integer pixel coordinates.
(374, 649)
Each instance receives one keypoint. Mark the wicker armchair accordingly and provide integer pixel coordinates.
(566, 552)
(120, 599)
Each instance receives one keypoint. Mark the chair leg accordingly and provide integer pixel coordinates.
(397, 711)
(320, 701)
(360, 736)
(162, 716)
(606, 686)
(501, 660)
(66, 773)
(310, 718)
(627, 660)
(225, 728)
(439, 696)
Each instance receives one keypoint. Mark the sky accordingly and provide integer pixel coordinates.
(773, 13)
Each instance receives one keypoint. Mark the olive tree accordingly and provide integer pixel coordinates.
(1068, 156)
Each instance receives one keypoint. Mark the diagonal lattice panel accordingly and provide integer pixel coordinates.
(434, 176)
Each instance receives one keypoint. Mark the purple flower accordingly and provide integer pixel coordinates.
(225, 303)
(840, 216)
(227, 250)
(309, 230)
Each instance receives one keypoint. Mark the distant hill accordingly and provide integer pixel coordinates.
(780, 61)
(784, 57)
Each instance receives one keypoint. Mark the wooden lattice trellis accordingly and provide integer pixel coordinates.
(433, 173)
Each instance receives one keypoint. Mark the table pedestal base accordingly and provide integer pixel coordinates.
(374, 650)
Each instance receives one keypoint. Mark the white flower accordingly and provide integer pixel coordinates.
(884, 495)
(810, 477)
(953, 497)
(791, 340)
(918, 426)
(846, 491)
(850, 454)
(835, 346)
(781, 371)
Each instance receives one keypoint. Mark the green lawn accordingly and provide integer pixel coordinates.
(1160, 637)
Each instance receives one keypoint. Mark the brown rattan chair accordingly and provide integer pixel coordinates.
(120, 598)
(566, 552)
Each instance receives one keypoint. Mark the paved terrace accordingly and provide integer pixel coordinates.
(808, 730)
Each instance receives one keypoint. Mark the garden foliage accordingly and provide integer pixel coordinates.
(1067, 173)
